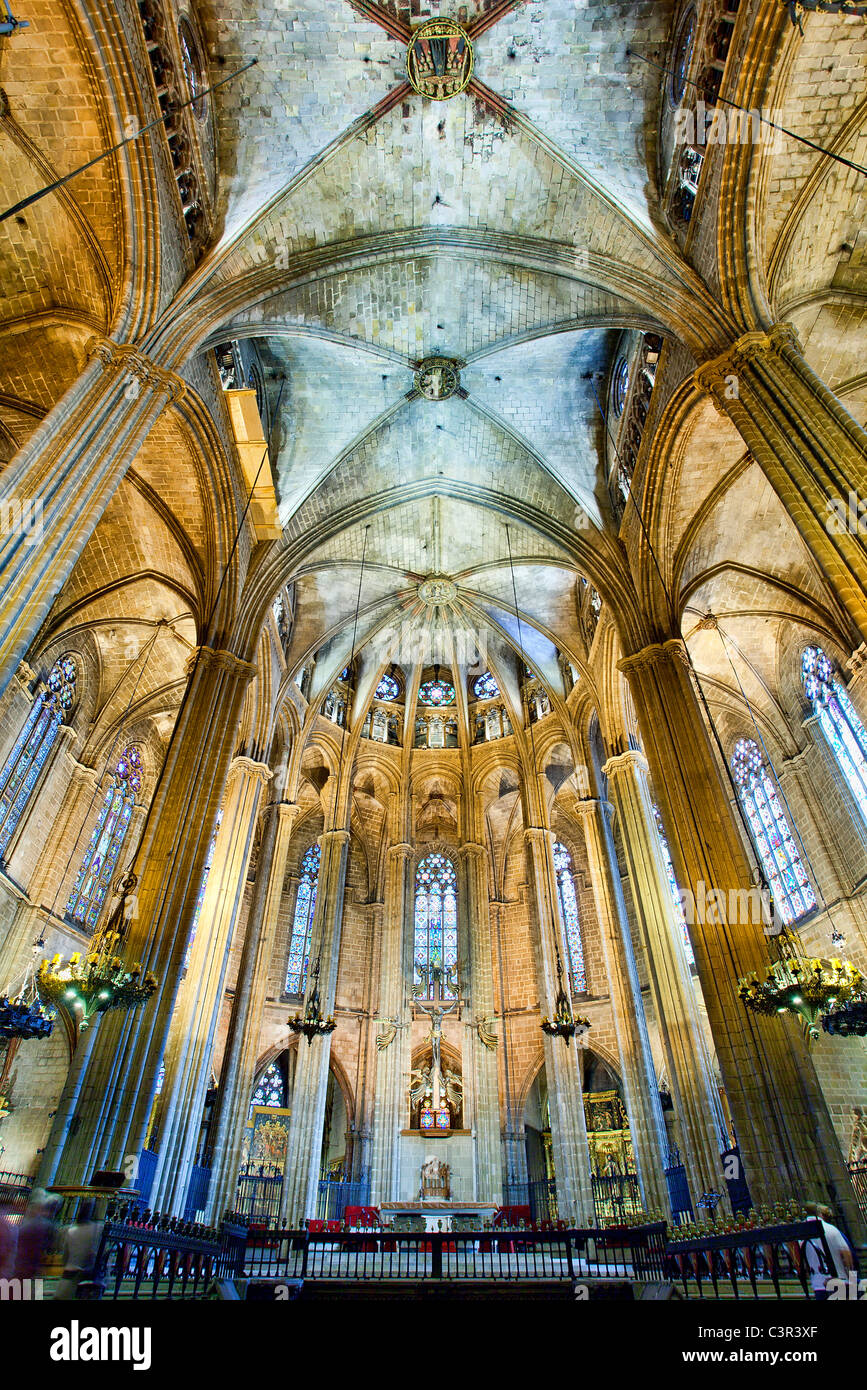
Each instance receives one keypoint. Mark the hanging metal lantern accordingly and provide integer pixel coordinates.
(311, 1023)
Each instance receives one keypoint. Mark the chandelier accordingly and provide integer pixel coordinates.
(797, 8)
(24, 1016)
(311, 1023)
(96, 984)
(564, 1024)
(849, 1021)
(808, 986)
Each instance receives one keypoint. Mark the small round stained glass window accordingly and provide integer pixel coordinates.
(486, 688)
(61, 681)
(682, 56)
(437, 693)
(193, 68)
(620, 386)
(388, 689)
(129, 770)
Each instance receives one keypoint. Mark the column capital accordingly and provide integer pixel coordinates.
(25, 676)
(536, 834)
(400, 851)
(777, 341)
(471, 850)
(631, 761)
(655, 654)
(253, 769)
(339, 837)
(124, 359)
(586, 806)
(223, 660)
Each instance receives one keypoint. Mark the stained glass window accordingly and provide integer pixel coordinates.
(437, 693)
(106, 841)
(202, 886)
(305, 906)
(388, 689)
(676, 899)
(840, 724)
(192, 65)
(486, 688)
(270, 1088)
(436, 916)
(569, 914)
(682, 56)
(32, 746)
(621, 385)
(772, 834)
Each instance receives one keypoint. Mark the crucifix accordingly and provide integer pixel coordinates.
(436, 1013)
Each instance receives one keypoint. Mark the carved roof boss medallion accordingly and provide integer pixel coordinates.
(439, 59)
(436, 591)
(437, 378)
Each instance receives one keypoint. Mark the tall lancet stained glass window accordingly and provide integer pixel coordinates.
(31, 748)
(772, 834)
(106, 842)
(436, 920)
(676, 898)
(305, 906)
(569, 914)
(840, 724)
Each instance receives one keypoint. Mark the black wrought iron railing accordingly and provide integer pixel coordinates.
(539, 1197)
(15, 1189)
(151, 1257)
(635, 1255)
(616, 1197)
(769, 1262)
(336, 1193)
(858, 1174)
(260, 1187)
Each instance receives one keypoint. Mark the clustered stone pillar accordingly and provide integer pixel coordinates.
(480, 1061)
(106, 1103)
(690, 1066)
(191, 1037)
(304, 1145)
(64, 477)
(562, 1061)
(392, 1061)
(810, 448)
(640, 1090)
(251, 988)
(783, 1127)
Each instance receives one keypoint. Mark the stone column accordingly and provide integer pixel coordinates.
(783, 1127)
(245, 1025)
(690, 1066)
(116, 1090)
(479, 1060)
(64, 477)
(190, 1046)
(640, 1089)
(514, 1138)
(562, 1060)
(811, 449)
(392, 1061)
(304, 1146)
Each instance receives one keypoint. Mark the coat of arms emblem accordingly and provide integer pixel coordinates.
(439, 60)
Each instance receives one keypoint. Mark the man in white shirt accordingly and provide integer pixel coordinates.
(841, 1254)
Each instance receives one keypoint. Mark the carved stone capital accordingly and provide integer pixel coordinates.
(629, 762)
(857, 662)
(655, 654)
(778, 341)
(400, 851)
(125, 360)
(260, 771)
(222, 660)
(471, 850)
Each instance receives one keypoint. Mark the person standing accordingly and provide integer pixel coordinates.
(841, 1255)
(81, 1248)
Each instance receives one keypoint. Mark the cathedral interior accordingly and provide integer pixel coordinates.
(433, 604)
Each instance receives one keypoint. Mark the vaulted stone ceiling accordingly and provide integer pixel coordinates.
(503, 207)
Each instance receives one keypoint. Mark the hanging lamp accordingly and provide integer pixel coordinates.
(22, 1013)
(793, 982)
(564, 1024)
(312, 1023)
